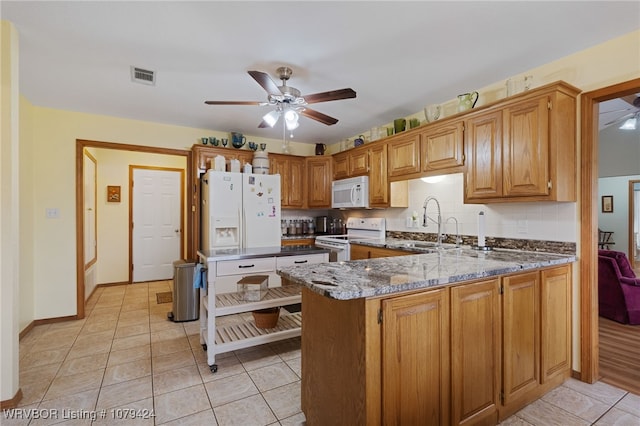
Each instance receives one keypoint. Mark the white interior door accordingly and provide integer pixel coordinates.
(89, 221)
(157, 223)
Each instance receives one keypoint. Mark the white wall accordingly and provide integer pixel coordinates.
(618, 221)
(548, 221)
(618, 151)
(113, 218)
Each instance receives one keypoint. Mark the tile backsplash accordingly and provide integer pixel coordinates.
(547, 221)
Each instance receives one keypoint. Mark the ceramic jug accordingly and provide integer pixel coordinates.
(238, 140)
(467, 101)
(320, 148)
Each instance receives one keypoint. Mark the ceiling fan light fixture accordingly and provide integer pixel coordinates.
(630, 124)
(291, 119)
(271, 118)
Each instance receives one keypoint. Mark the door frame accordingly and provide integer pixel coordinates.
(132, 168)
(80, 145)
(632, 207)
(588, 264)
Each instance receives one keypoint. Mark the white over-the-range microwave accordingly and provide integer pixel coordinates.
(350, 193)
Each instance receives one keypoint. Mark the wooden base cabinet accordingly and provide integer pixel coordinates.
(474, 353)
(415, 359)
(359, 251)
(536, 328)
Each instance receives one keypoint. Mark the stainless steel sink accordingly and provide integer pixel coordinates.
(423, 245)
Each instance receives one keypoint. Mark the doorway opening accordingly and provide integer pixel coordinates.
(589, 203)
(80, 237)
(634, 223)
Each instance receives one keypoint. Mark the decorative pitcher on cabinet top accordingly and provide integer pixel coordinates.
(467, 101)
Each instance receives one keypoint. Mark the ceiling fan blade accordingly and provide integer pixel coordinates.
(318, 116)
(620, 119)
(266, 82)
(235, 103)
(332, 95)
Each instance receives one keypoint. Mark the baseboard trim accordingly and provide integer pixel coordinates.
(43, 321)
(111, 284)
(13, 402)
(576, 375)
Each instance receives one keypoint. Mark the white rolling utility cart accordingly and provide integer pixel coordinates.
(221, 298)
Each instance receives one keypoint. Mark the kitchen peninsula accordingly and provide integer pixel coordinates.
(446, 337)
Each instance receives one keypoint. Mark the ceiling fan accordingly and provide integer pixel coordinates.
(288, 100)
(631, 117)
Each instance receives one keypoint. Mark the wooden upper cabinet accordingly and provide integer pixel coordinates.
(483, 142)
(319, 182)
(525, 148)
(359, 161)
(291, 171)
(404, 154)
(378, 182)
(341, 165)
(354, 162)
(442, 147)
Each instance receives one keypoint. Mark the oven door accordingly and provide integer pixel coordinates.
(339, 250)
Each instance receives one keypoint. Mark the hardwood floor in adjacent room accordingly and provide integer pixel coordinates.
(620, 355)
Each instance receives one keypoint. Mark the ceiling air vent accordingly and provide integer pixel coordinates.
(139, 75)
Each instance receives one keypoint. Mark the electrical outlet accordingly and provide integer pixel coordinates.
(52, 213)
(522, 226)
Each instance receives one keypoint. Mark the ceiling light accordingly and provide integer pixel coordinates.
(291, 119)
(630, 124)
(271, 118)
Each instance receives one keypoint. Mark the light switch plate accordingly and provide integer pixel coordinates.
(52, 212)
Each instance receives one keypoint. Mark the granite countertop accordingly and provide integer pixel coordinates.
(249, 253)
(387, 275)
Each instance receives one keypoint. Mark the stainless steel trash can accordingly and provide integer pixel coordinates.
(186, 298)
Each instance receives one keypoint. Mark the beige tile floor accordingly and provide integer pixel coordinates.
(126, 358)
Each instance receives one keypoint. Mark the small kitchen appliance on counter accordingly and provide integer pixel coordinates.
(358, 228)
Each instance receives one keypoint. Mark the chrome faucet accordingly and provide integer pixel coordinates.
(425, 218)
(458, 239)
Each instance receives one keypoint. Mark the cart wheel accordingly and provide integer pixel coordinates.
(204, 346)
(213, 368)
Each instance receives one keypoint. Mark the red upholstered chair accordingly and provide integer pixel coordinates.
(618, 288)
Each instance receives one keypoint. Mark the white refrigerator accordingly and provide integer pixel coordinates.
(240, 210)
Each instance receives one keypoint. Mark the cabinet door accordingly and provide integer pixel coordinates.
(415, 359)
(279, 164)
(318, 182)
(475, 353)
(297, 190)
(404, 155)
(525, 148)
(378, 182)
(341, 165)
(442, 146)
(358, 162)
(483, 142)
(520, 333)
(556, 322)
(358, 252)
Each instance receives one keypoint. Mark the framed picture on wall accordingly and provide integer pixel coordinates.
(113, 194)
(607, 204)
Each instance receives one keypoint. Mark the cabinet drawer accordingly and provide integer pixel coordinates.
(307, 259)
(246, 266)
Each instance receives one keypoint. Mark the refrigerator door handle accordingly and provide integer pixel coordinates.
(242, 221)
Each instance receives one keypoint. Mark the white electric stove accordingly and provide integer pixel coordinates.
(358, 228)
